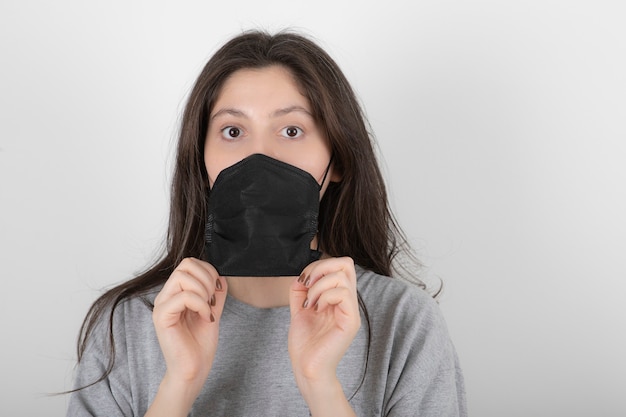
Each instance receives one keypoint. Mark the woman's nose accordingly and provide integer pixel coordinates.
(263, 145)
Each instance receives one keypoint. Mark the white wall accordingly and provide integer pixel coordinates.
(503, 130)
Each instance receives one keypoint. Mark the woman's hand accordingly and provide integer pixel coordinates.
(186, 317)
(324, 321)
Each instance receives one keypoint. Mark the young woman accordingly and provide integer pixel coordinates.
(273, 297)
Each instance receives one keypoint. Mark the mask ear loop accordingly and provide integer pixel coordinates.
(332, 156)
(327, 170)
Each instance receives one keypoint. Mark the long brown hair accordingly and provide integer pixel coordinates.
(355, 219)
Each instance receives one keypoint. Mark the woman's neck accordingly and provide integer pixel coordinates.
(264, 292)
(261, 292)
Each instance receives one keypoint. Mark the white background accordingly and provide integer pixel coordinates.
(503, 131)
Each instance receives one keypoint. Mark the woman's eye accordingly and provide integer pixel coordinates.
(231, 132)
(291, 132)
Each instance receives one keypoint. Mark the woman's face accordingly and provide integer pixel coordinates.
(262, 111)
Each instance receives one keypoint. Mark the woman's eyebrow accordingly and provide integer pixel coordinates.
(291, 109)
(229, 111)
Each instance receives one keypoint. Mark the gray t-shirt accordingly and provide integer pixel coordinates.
(402, 364)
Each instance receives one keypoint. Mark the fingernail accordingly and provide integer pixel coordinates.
(316, 306)
(307, 282)
(213, 300)
(212, 318)
(306, 303)
(301, 278)
(218, 284)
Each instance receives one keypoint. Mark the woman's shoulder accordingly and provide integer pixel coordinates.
(407, 320)
(137, 307)
(387, 290)
(411, 347)
(400, 307)
(129, 315)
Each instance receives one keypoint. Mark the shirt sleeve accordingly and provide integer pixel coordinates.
(110, 397)
(425, 378)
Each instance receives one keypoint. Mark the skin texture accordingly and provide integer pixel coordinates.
(260, 111)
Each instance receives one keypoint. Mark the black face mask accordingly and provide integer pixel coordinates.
(262, 216)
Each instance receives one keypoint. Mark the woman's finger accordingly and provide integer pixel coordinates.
(327, 274)
(179, 282)
(168, 313)
(219, 298)
(340, 297)
(318, 269)
(337, 279)
(202, 272)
